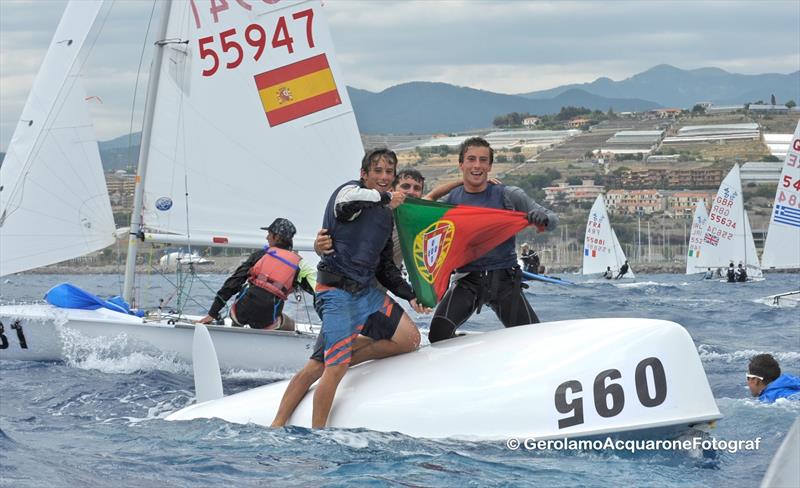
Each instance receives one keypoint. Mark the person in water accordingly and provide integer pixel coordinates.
(494, 279)
(623, 270)
(359, 219)
(708, 274)
(264, 282)
(608, 274)
(766, 382)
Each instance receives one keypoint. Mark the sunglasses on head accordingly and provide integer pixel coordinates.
(751, 376)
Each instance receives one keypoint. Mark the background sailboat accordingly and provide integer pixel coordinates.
(727, 237)
(782, 249)
(248, 119)
(601, 248)
(53, 199)
(699, 222)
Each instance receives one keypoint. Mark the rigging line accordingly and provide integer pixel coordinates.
(136, 85)
(161, 273)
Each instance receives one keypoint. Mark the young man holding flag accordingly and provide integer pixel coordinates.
(359, 220)
(494, 278)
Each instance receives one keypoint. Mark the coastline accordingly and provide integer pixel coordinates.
(228, 265)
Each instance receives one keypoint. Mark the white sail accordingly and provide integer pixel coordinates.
(254, 135)
(782, 249)
(601, 248)
(53, 199)
(619, 255)
(699, 221)
(728, 237)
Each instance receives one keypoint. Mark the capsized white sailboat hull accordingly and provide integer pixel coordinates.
(47, 333)
(573, 378)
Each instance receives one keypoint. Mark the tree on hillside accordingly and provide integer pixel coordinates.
(791, 104)
(574, 180)
(698, 110)
(571, 112)
(518, 158)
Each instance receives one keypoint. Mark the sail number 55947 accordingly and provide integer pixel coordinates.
(609, 397)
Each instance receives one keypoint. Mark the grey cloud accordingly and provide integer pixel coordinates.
(505, 46)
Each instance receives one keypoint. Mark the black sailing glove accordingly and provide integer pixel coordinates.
(538, 217)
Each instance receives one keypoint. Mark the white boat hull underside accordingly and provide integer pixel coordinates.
(47, 333)
(574, 378)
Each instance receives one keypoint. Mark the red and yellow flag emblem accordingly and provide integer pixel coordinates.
(297, 90)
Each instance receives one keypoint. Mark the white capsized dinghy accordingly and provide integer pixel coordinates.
(573, 378)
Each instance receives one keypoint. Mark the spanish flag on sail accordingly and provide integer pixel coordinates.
(297, 90)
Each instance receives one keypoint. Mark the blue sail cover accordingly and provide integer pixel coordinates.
(66, 295)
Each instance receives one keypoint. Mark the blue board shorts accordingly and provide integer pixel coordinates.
(344, 317)
(379, 326)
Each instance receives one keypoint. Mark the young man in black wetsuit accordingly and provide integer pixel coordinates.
(494, 279)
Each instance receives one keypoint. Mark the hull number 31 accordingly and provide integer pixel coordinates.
(609, 396)
(20, 335)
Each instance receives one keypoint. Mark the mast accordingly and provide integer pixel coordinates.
(138, 197)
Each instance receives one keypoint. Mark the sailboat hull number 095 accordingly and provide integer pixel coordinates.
(256, 37)
(609, 397)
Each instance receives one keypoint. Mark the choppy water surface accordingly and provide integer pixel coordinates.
(96, 420)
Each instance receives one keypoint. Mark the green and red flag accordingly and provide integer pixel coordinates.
(436, 238)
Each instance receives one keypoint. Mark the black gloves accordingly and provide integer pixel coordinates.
(538, 217)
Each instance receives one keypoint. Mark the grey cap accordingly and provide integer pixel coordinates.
(282, 227)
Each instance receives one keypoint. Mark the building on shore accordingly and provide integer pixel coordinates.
(680, 204)
(635, 202)
(587, 191)
(761, 172)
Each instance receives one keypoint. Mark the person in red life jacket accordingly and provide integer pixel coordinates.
(264, 282)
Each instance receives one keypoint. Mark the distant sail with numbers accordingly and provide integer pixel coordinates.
(601, 248)
(699, 221)
(782, 249)
(728, 237)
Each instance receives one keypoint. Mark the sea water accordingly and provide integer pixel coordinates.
(97, 419)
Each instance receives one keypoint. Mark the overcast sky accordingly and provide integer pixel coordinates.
(501, 46)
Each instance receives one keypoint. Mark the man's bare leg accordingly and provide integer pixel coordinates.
(326, 390)
(405, 339)
(296, 389)
(301, 382)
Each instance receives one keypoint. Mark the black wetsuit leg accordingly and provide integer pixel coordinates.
(510, 304)
(457, 305)
(258, 308)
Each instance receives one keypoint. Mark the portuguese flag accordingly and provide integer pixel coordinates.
(437, 238)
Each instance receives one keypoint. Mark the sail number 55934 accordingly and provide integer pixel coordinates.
(609, 397)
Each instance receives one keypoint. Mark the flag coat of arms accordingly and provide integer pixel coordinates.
(297, 90)
(436, 238)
